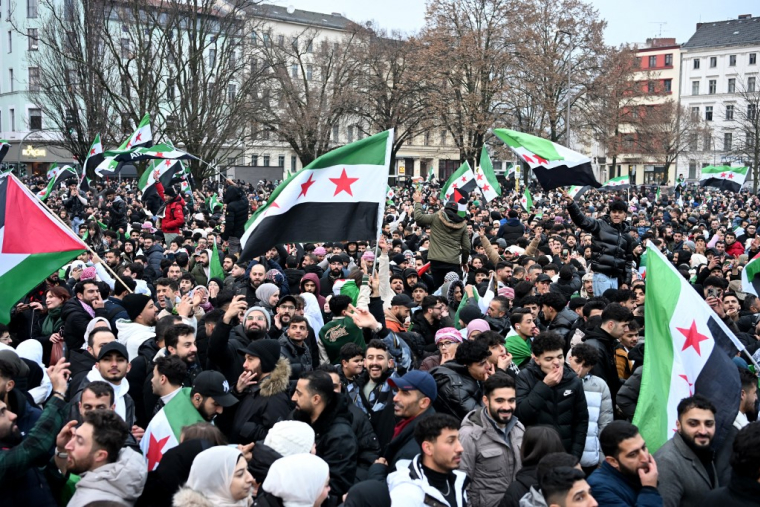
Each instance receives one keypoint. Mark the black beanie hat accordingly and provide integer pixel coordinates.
(268, 352)
(134, 304)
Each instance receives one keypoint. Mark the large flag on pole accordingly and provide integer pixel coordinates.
(619, 182)
(723, 177)
(688, 351)
(94, 158)
(340, 196)
(577, 191)
(141, 137)
(485, 177)
(58, 176)
(462, 180)
(33, 244)
(159, 151)
(5, 146)
(553, 165)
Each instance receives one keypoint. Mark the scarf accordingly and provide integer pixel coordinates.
(88, 309)
(52, 322)
(120, 391)
(401, 425)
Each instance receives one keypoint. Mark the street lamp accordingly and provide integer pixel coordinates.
(569, 70)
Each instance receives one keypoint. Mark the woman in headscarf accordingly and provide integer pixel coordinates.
(47, 327)
(300, 480)
(268, 295)
(219, 477)
(32, 350)
(312, 312)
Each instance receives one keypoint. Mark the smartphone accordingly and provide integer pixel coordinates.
(712, 292)
(565, 253)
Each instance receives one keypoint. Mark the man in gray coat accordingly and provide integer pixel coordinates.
(685, 462)
(491, 438)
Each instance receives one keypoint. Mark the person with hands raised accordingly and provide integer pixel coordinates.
(231, 335)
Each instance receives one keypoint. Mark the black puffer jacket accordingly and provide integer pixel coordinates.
(612, 245)
(369, 446)
(75, 319)
(563, 323)
(299, 357)
(606, 368)
(458, 392)
(262, 406)
(511, 231)
(237, 213)
(562, 407)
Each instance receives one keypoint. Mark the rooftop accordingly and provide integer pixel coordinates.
(335, 20)
(734, 32)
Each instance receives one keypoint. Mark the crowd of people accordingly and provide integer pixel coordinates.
(476, 354)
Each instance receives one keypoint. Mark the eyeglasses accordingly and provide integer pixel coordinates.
(444, 345)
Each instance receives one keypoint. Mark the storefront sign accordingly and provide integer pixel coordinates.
(33, 152)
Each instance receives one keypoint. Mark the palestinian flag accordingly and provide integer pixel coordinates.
(159, 151)
(58, 176)
(33, 244)
(215, 263)
(485, 177)
(141, 137)
(554, 165)
(389, 195)
(94, 158)
(619, 182)
(159, 170)
(337, 197)
(5, 146)
(751, 277)
(527, 200)
(213, 202)
(164, 429)
(462, 180)
(689, 351)
(723, 177)
(577, 191)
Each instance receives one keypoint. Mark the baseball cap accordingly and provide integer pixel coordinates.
(213, 384)
(402, 300)
(543, 277)
(286, 299)
(113, 346)
(418, 380)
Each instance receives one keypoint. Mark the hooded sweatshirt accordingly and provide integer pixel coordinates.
(121, 482)
(132, 335)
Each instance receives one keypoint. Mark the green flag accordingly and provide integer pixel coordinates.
(462, 304)
(527, 200)
(486, 178)
(215, 264)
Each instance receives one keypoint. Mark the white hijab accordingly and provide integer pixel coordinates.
(312, 312)
(211, 475)
(32, 350)
(297, 480)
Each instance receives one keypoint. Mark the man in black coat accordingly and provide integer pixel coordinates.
(512, 230)
(459, 381)
(78, 311)
(551, 395)
(615, 319)
(235, 217)
(327, 413)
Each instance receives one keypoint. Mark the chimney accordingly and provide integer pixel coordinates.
(699, 25)
(745, 16)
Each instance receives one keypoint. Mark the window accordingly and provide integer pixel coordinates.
(10, 41)
(652, 62)
(267, 39)
(281, 161)
(427, 139)
(708, 113)
(281, 40)
(350, 134)
(728, 137)
(33, 38)
(750, 84)
(712, 86)
(628, 143)
(31, 8)
(266, 160)
(650, 86)
(443, 138)
(13, 120)
(293, 163)
(309, 72)
(730, 112)
(125, 48)
(751, 111)
(212, 58)
(34, 79)
(668, 83)
(668, 60)
(752, 58)
(750, 141)
(10, 78)
(695, 112)
(708, 145)
(694, 141)
(696, 63)
(231, 161)
(294, 71)
(713, 62)
(335, 133)
(170, 89)
(695, 87)
(732, 60)
(231, 92)
(35, 119)
(255, 160)
(732, 85)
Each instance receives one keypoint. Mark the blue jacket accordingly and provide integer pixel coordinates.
(611, 489)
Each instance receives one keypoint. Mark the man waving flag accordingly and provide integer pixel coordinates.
(688, 351)
(462, 180)
(340, 196)
(142, 137)
(486, 178)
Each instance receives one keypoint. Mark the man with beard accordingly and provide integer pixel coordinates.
(77, 312)
(113, 258)
(432, 477)
(628, 476)
(21, 481)
(747, 412)
(294, 348)
(491, 438)
(604, 338)
(686, 461)
(284, 312)
(396, 315)
(166, 382)
(255, 278)
(180, 341)
(375, 392)
(328, 415)
(201, 270)
(334, 273)
(141, 326)
(109, 471)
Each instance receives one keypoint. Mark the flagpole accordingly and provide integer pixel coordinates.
(104, 264)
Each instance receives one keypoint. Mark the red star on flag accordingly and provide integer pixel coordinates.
(454, 185)
(528, 159)
(731, 176)
(168, 163)
(156, 174)
(541, 160)
(480, 177)
(138, 136)
(159, 154)
(722, 175)
(306, 185)
(155, 451)
(486, 188)
(464, 179)
(691, 391)
(92, 151)
(343, 184)
(693, 337)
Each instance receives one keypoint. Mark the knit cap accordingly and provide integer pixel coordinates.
(290, 437)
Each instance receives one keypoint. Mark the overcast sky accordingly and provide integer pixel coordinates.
(627, 21)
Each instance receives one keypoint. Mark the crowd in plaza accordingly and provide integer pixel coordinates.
(476, 354)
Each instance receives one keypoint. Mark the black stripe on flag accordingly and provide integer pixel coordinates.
(564, 176)
(314, 222)
(721, 184)
(719, 382)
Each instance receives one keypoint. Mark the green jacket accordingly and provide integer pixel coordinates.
(334, 335)
(520, 349)
(448, 237)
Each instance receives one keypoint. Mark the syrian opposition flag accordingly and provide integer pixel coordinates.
(554, 165)
(485, 177)
(619, 182)
(94, 158)
(160, 151)
(389, 195)
(723, 177)
(58, 176)
(33, 244)
(141, 137)
(527, 200)
(215, 263)
(688, 351)
(462, 180)
(430, 175)
(164, 429)
(5, 146)
(577, 191)
(213, 203)
(512, 171)
(159, 170)
(337, 197)
(751, 277)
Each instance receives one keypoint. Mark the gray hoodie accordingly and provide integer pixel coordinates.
(120, 482)
(533, 498)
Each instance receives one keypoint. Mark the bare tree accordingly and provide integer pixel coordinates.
(746, 144)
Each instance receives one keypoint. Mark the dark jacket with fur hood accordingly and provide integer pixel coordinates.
(448, 235)
(263, 405)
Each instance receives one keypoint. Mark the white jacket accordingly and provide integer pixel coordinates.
(409, 487)
(132, 335)
(121, 482)
(600, 414)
